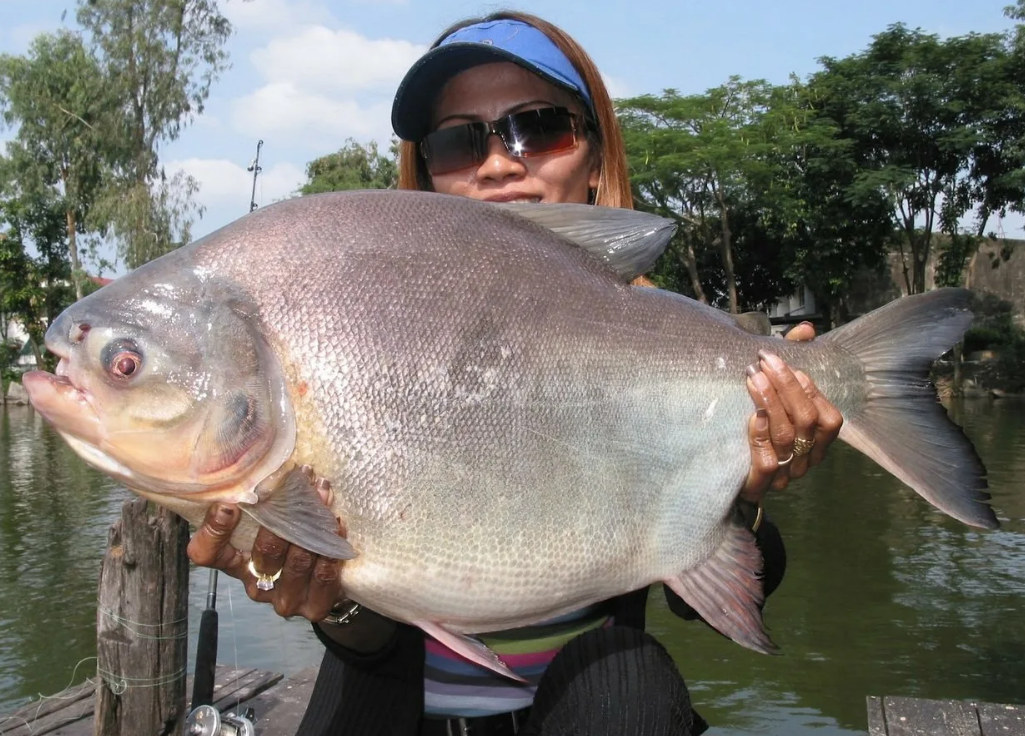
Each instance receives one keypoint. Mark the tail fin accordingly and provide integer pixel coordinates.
(903, 427)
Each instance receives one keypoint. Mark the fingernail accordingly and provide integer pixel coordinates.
(771, 358)
(761, 420)
(760, 380)
(752, 370)
(806, 322)
(762, 412)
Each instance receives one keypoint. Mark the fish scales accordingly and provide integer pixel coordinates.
(510, 429)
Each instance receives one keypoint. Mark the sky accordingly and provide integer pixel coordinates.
(308, 74)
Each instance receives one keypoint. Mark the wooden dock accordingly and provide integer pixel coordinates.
(892, 716)
(278, 702)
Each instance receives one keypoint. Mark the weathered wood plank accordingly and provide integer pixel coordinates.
(45, 715)
(876, 716)
(38, 709)
(280, 709)
(1001, 720)
(244, 688)
(921, 717)
(78, 714)
(71, 713)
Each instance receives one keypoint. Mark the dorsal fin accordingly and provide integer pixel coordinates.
(627, 241)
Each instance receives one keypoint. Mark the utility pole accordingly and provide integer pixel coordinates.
(255, 168)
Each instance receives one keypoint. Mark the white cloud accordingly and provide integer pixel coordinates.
(322, 85)
(223, 182)
(317, 120)
(340, 60)
(273, 15)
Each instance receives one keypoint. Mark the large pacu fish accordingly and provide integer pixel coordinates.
(511, 431)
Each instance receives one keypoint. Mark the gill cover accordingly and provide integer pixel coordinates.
(186, 393)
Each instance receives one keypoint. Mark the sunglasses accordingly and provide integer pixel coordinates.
(524, 134)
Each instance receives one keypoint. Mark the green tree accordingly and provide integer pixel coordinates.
(160, 58)
(34, 289)
(351, 167)
(827, 228)
(693, 158)
(930, 121)
(761, 187)
(56, 98)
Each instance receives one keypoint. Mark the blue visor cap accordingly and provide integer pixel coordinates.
(481, 43)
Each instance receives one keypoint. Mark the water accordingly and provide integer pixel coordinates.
(882, 595)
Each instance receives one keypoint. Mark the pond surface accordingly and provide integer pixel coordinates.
(882, 595)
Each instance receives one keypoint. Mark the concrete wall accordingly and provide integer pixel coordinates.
(993, 274)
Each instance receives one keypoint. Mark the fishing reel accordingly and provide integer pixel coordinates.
(205, 720)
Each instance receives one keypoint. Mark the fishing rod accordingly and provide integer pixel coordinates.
(204, 719)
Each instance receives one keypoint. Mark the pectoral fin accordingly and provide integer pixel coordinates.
(726, 590)
(473, 649)
(293, 510)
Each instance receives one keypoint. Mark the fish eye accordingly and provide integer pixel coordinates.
(122, 358)
(125, 364)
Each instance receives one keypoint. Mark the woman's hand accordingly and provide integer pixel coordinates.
(309, 585)
(789, 408)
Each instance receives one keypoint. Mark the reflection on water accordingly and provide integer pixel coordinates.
(54, 516)
(883, 595)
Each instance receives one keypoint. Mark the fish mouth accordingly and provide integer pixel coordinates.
(52, 393)
(68, 409)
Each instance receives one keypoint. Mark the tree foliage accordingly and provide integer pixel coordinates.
(813, 182)
(159, 58)
(353, 166)
(57, 99)
(936, 126)
(761, 187)
(34, 287)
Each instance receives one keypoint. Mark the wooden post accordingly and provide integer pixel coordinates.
(142, 624)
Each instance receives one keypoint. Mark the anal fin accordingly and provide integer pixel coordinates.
(293, 510)
(474, 650)
(726, 590)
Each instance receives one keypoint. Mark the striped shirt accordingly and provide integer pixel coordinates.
(455, 687)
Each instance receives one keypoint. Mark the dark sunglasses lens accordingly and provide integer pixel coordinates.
(537, 132)
(451, 149)
(530, 133)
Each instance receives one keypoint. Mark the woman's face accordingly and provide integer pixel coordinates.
(489, 92)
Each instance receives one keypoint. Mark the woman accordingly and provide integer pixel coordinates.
(510, 108)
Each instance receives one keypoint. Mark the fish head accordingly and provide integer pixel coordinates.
(169, 386)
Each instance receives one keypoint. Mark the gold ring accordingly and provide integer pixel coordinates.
(781, 463)
(803, 446)
(264, 582)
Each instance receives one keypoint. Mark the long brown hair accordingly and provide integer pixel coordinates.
(614, 180)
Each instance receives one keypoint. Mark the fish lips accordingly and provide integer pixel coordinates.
(63, 405)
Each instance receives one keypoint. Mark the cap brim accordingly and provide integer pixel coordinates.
(418, 90)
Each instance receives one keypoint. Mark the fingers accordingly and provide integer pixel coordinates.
(802, 414)
(800, 333)
(763, 456)
(767, 396)
(211, 545)
(308, 585)
(325, 589)
(830, 420)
